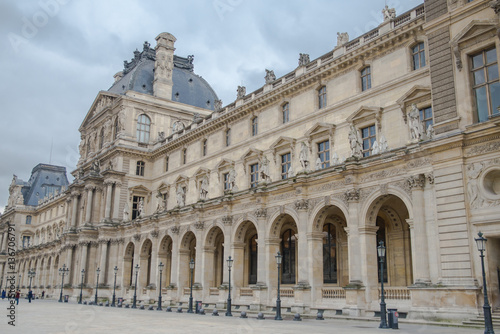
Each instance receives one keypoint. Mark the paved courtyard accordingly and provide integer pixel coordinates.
(48, 316)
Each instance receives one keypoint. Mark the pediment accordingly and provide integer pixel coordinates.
(365, 113)
(103, 101)
(202, 171)
(283, 142)
(224, 163)
(252, 153)
(474, 29)
(320, 128)
(415, 93)
(181, 178)
(163, 186)
(140, 189)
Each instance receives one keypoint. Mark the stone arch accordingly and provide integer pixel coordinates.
(374, 202)
(241, 227)
(278, 219)
(319, 210)
(128, 264)
(245, 247)
(145, 263)
(187, 251)
(165, 257)
(213, 252)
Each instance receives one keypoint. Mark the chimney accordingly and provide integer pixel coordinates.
(164, 65)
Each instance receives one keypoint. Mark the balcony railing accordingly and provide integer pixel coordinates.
(396, 293)
(333, 293)
(287, 293)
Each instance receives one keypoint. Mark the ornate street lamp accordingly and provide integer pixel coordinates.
(279, 258)
(229, 265)
(160, 267)
(134, 305)
(115, 269)
(488, 325)
(98, 271)
(31, 274)
(381, 256)
(62, 271)
(81, 287)
(190, 307)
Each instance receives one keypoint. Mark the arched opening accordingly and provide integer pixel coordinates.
(165, 257)
(48, 270)
(187, 252)
(128, 264)
(245, 247)
(288, 249)
(145, 264)
(214, 257)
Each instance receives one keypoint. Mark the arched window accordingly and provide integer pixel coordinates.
(143, 127)
(418, 56)
(286, 112)
(366, 78)
(322, 97)
(288, 262)
(329, 254)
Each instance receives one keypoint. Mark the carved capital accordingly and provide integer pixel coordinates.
(89, 187)
(302, 204)
(261, 213)
(199, 225)
(155, 233)
(137, 237)
(352, 195)
(175, 229)
(103, 241)
(430, 178)
(416, 181)
(496, 6)
(227, 220)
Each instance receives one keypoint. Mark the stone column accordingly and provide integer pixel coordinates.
(303, 279)
(154, 260)
(4, 242)
(102, 261)
(109, 192)
(272, 248)
(68, 213)
(164, 65)
(369, 261)
(116, 201)
(315, 264)
(355, 277)
(418, 232)
(174, 274)
(74, 210)
(208, 262)
(83, 259)
(237, 278)
(199, 252)
(262, 276)
(88, 209)
(69, 264)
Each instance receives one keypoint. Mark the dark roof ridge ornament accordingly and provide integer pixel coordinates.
(147, 53)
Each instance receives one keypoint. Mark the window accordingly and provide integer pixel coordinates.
(368, 135)
(255, 126)
(166, 163)
(286, 112)
(228, 137)
(143, 127)
(418, 56)
(139, 170)
(426, 117)
(227, 184)
(252, 272)
(254, 175)
(285, 165)
(204, 148)
(28, 219)
(329, 254)
(135, 206)
(184, 156)
(322, 97)
(288, 261)
(324, 153)
(486, 86)
(366, 78)
(26, 241)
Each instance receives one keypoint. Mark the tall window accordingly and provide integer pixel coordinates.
(322, 97)
(204, 148)
(227, 184)
(252, 272)
(255, 126)
(286, 112)
(368, 135)
(324, 153)
(254, 175)
(288, 261)
(426, 117)
(139, 170)
(285, 165)
(135, 206)
(418, 56)
(167, 158)
(329, 254)
(184, 156)
(143, 127)
(486, 86)
(26, 241)
(366, 78)
(228, 137)
(28, 220)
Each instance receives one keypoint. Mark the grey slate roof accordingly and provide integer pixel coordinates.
(43, 181)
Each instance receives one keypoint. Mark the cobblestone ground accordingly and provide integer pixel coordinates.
(48, 316)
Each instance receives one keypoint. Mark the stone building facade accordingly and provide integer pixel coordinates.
(393, 136)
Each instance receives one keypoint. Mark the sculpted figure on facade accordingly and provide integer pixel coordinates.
(335, 159)
(375, 148)
(121, 122)
(160, 202)
(318, 163)
(161, 135)
(95, 168)
(290, 173)
(177, 126)
(383, 146)
(232, 179)
(304, 59)
(204, 188)
(414, 123)
(126, 213)
(241, 92)
(355, 143)
(429, 133)
(342, 38)
(270, 76)
(181, 196)
(473, 172)
(217, 105)
(107, 131)
(140, 209)
(389, 13)
(82, 148)
(264, 170)
(304, 156)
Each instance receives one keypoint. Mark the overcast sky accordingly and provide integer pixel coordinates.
(58, 54)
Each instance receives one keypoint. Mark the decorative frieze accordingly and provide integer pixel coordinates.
(416, 181)
(199, 225)
(175, 229)
(352, 195)
(261, 213)
(227, 220)
(302, 204)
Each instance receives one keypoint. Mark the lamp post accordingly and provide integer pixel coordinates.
(31, 274)
(115, 269)
(160, 267)
(381, 256)
(488, 325)
(278, 300)
(98, 271)
(229, 265)
(62, 271)
(190, 308)
(81, 287)
(136, 268)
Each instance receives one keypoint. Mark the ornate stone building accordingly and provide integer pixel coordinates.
(392, 136)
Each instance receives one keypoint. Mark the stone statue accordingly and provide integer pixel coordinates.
(81, 173)
(355, 143)
(217, 105)
(241, 92)
(95, 167)
(161, 205)
(177, 126)
(389, 13)
(197, 118)
(290, 172)
(82, 147)
(264, 170)
(375, 148)
(430, 132)
(473, 172)
(318, 163)
(121, 121)
(232, 180)
(140, 209)
(414, 123)
(181, 196)
(204, 188)
(335, 159)
(126, 212)
(304, 59)
(107, 131)
(270, 76)
(161, 136)
(92, 142)
(304, 156)
(342, 38)
(383, 146)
